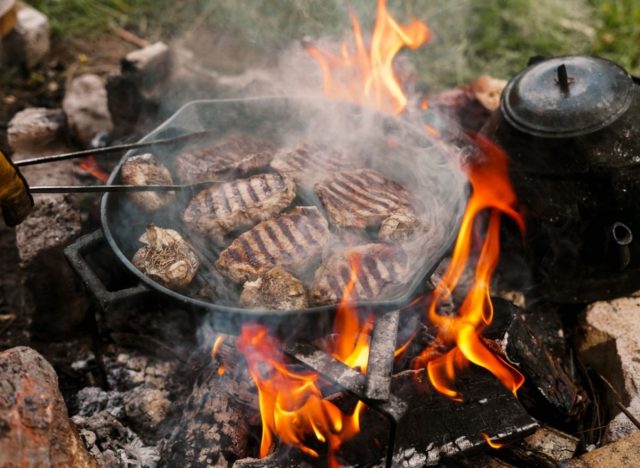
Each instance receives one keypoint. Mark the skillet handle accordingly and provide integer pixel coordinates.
(77, 254)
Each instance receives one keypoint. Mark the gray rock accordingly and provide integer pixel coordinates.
(623, 453)
(28, 43)
(85, 104)
(611, 346)
(150, 66)
(35, 426)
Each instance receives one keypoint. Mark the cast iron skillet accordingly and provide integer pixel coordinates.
(278, 118)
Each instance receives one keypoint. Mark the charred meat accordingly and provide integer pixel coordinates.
(277, 289)
(309, 164)
(292, 240)
(233, 155)
(145, 169)
(375, 267)
(399, 227)
(216, 211)
(362, 198)
(166, 258)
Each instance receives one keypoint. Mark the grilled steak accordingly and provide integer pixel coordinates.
(309, 164)
(145, 169)
(277, 289)
(233, 155)
(292, 240)
(361, 198)
(166, 258)
(216, 211)
(378, 266)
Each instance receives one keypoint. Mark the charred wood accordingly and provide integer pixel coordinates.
(548, 393)
(214, 428)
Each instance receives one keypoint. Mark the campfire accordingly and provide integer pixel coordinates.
(354, 272)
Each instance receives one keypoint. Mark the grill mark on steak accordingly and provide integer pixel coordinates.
(235, 255)
(264, 184)
(284, 228)
(365, 192)
(261, 245)
(363, 196)
(363, 277)
(252, 192)
(238, 195)
(274, 238)
(381, 266)
(347, 199)
(287, 241)
(371, 265)
(308, 164)
(215, 212)
(225, 200)
(231, 155)
(249, 253)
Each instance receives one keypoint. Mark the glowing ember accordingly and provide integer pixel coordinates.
(291, 403)
(365, 76)
(490, 443)
(90, 165)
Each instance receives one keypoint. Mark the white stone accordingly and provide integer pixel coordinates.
(85, 104)
(35, 128)
(152, 64)
(29, 42)
(611, 346)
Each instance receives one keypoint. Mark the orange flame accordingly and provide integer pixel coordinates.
(214, 351)
(90, 165)
(366, 76)
(291, 403)
(352, 344)
(490, 443)
(492, 192)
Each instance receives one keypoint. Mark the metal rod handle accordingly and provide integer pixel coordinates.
(109, 149)
(119, 188)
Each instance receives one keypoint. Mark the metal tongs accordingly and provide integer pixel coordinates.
(112, 150)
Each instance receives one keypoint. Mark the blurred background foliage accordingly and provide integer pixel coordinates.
(471, 37)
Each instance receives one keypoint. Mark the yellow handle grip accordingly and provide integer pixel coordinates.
(15, 200)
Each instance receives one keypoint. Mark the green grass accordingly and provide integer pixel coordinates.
(470, 37)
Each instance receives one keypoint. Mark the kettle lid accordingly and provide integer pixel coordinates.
(567, 96)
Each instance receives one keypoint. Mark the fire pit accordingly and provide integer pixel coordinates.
(371, 277)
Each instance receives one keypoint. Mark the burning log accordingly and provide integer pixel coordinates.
(34, 424)
(214, 429)
(548, 392)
